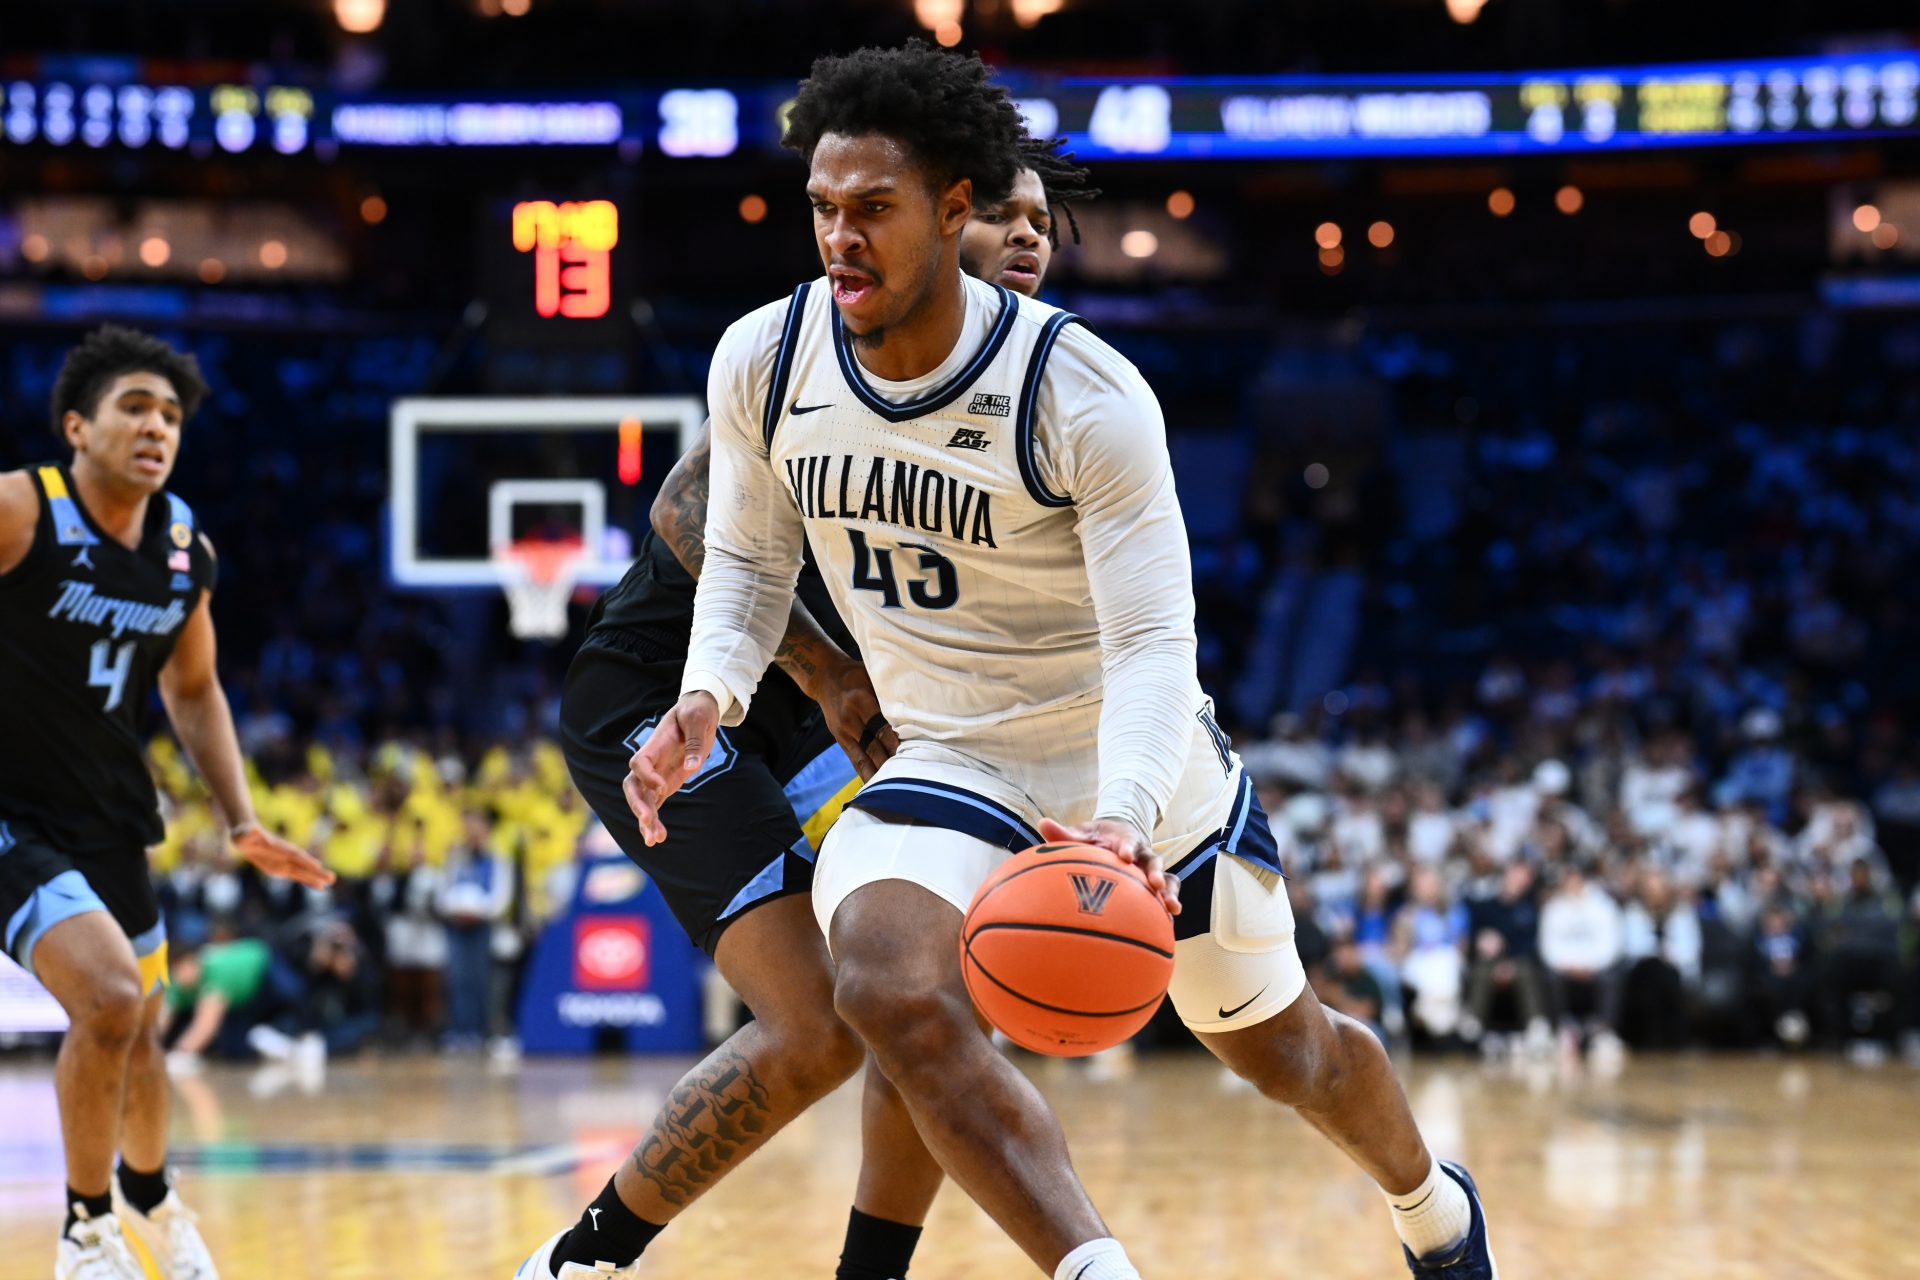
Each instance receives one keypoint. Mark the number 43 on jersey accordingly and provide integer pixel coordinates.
(933, 585)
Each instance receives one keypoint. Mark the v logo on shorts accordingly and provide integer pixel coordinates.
(1092, 893)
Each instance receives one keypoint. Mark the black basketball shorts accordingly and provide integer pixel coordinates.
(742, 831)
(42, 884)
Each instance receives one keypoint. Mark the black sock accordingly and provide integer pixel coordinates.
(607, 1232)
(144, 1191)
(97, 1207)
(876, 1249)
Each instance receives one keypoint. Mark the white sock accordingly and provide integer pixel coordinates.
(1433, 1218)
(1103, 1259)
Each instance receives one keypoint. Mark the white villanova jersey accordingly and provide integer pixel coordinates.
(1003, 541)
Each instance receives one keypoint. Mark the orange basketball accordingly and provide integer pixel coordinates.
(1066, 949)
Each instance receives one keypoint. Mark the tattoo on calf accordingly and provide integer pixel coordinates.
(710, 1122)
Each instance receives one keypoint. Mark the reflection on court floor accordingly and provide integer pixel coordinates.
(1734, 1169)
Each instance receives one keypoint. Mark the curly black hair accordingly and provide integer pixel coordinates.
(111, 351)
(1064, 181)
(944, 107)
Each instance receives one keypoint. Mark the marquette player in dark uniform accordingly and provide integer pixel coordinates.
(739, 865)
(104, 583)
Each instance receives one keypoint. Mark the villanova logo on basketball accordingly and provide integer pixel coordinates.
(1092, 893)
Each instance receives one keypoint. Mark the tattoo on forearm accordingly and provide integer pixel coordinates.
(712, 1120)
(795, 656)
(688, 502)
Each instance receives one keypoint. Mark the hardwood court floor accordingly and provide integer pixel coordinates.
(1693, 1167)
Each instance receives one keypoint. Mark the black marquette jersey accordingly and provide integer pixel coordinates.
(85, 626)
(654, 603)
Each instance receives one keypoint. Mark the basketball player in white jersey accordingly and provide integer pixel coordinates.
(986, 489)
(774, 953)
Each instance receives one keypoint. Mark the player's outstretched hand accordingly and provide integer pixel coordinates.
(673, 753)
(853, 715)
(276, 857)
(1126, 840)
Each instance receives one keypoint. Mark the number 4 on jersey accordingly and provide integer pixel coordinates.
(873, 571)
(109, 669)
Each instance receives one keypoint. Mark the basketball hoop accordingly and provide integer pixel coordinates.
(539, 578)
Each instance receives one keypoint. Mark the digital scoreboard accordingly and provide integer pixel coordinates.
(1170, 118)
(1587, 110)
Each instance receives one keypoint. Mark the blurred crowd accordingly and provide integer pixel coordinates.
(449, 863)
(1627, 889)
(1625, 747)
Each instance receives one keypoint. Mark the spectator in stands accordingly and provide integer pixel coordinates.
(1780, 981)
(1430, 937)
(342, 1001)
(1661, 944)
(1652, 784)
(1552, 785)
(1863, 982)
(1432, 827)
(475, 890)
(1838, 834)
(1896, 809)
(1292, 755)
(1580, 947)
(222, 999)
(1504, 965)
(1765, 770)
(1346, 984)
(416, 939)
(1690, 841)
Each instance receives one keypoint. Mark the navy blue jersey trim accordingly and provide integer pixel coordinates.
(1221, 746)
(783, 363)
(1023, 425)
(953, 808)
(940, 397)
(1246, 835)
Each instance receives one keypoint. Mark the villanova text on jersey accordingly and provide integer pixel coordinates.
(904, 494)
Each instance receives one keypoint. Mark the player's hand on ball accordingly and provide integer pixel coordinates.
(674, 753)
(1129, 843)
(277, 857)
(853, 715)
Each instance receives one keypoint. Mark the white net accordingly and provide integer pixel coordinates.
(539, 580)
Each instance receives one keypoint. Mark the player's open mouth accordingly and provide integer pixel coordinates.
(850, 288)
(151, 461)
(1021, 268)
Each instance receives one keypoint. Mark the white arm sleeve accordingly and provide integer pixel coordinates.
(755, 539)
(1109, 455)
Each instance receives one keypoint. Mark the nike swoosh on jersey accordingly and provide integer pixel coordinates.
(1228, 1013)
(799, 408)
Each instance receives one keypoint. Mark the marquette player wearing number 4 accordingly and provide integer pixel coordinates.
(740, 864)
(985, 486)
(104, 583)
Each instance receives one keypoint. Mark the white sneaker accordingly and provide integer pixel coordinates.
(94, 1249)
(539, 1266)
(1539, 1038)
(310, 1051)
(170, 1235)
(1607, 1052)
(271, 1042)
